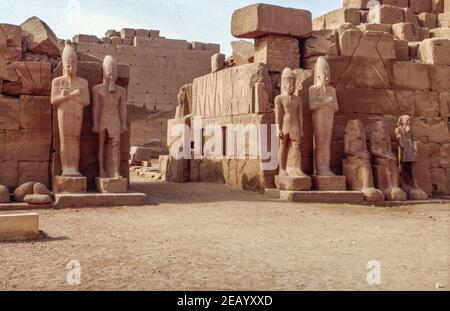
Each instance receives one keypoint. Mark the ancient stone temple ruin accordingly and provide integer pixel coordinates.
(47, 138)
(68, 110)
(369, 64)
(158, 68)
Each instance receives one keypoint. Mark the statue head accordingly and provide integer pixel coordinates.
(355, 130)
(182, 96)
(110, 72)
(69, 60)
(404, 122)
(322, 74)
(288, 79)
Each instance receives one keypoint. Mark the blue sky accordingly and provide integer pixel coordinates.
(193, 20)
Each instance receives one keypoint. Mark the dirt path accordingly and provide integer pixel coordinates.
(209, 237)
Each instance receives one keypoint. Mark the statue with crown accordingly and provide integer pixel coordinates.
(69, 96)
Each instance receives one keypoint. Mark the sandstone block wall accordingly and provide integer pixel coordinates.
(158, 69)
(380, 71)
(25, 112)
(388, 69)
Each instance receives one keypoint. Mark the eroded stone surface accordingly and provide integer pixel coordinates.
(40, 38)
(110, 185)
(65, 184)
(357, 166)
(293, 183)
(262, 19)
(243, 52)
(329, 183)
(4, 195)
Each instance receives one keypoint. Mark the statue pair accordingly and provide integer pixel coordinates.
(394, 176)
(289, 118)
(70, 95)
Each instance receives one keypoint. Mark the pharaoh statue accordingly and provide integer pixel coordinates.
(323, 105)
(357, 166)
(110, 122)
(289, 119)
(407, 156)
(387, 176)
(69, 96)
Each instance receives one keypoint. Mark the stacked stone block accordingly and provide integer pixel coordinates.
(277, 32)
(25, 112)
(380, 71)
(377, 77)
(158, 68)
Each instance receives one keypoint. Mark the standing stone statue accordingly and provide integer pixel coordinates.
(184, 99)
(323, 104)
(110, 122)
(69, 96)
(357, 166)
(407, 156)
(387, 177)
(289, 118)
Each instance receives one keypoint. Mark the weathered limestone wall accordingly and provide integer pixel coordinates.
(158, 68)
(25, 112)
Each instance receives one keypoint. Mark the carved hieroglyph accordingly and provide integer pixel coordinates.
(357, 166)
(70, 95)
(323, 104)
(387, 177)
(407, 156)
(231, 92)
(110, 117)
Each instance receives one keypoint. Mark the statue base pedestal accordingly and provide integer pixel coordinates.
(293, 183)
(329, 183)
(66, 184)
(111, 185)
(329, 197)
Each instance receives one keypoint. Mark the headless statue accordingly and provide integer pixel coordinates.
(69, 96)
(183, 109)
(110, 116)
(357, 166)
(407, 156)
(289, 117)
(387, 176)
(323, 104)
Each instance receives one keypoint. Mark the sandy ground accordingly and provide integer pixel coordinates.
(210, 237)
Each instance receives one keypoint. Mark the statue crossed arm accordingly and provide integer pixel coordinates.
(63, 92)
(69, 96)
